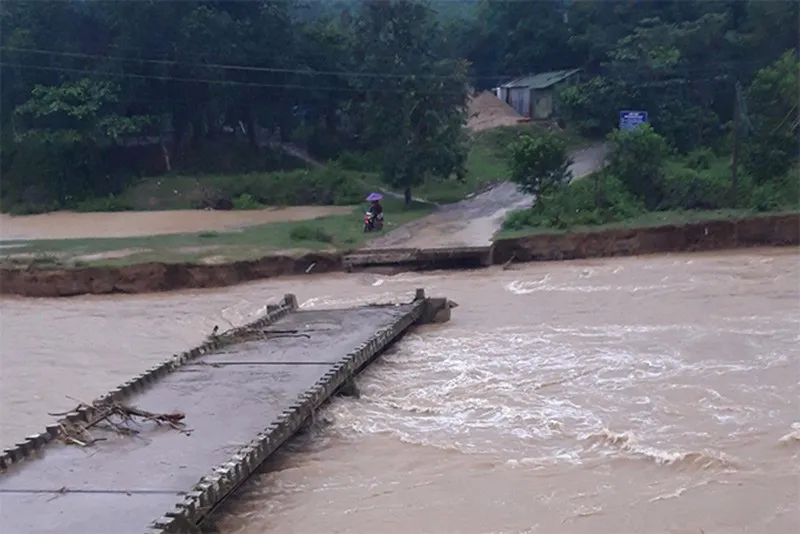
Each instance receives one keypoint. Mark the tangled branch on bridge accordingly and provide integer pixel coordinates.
(116, 417)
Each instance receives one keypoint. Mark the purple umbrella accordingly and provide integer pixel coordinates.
(374, 196)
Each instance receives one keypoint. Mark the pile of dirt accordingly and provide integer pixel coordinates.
(486, 111)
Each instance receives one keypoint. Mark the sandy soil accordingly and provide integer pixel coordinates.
(112, 254)
(68, 225)
(473, 222)
(486, 111)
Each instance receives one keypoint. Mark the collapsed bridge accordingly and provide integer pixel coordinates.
(119, 465)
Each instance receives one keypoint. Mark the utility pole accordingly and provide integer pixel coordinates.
(737, 120)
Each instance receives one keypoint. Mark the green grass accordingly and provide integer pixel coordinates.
(330, 185)
(486, 163)
(647, 220)
(334, 232)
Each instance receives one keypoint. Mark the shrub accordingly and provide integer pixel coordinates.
(586, 202)
(306, 232)
(700, 159)
(688, 189)
(637, 158)
(360, 161)
(328, 186)
(246, 202)
(540, 165)
(109, 203)
(782, 193)
(703, 182)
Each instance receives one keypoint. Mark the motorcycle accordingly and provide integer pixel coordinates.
(373, 223)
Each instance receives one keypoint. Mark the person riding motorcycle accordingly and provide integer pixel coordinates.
(376, 210)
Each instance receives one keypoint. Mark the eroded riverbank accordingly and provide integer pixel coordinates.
(774, 230)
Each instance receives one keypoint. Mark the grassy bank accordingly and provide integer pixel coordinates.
(325, 233)
(645, 220)
(331, 185)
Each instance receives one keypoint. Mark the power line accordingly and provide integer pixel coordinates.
(244, 68)
(217, 82)
(660, 83)
(354, 3)
(352, 74)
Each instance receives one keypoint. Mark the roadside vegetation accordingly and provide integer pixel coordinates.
(651, 178)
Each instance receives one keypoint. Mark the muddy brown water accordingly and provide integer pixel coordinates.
(655, 394)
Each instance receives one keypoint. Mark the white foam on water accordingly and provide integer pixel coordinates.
(329, 301)
(536, 398)
(628, 445)
(792, 437)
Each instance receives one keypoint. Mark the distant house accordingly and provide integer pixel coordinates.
(532, 96)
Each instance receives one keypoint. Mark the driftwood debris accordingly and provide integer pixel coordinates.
(115, 416)
(507, 265)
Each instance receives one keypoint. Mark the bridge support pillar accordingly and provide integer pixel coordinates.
(437, 310)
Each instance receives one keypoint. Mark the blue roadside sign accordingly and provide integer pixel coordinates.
(630, 120)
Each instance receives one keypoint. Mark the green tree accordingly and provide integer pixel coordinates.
(772, 105)
(662, 67)
(540, 165)
(76, 123)
(414, 114)
(636, 158)
(80, 111)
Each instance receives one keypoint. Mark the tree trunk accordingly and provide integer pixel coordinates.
(252, 133)
(407, 194)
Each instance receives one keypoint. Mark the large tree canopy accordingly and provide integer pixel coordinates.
(388, 77)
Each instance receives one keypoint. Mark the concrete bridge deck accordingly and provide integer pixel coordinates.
(243, 394)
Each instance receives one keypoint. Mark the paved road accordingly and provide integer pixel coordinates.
(474, 222)
(124, 483)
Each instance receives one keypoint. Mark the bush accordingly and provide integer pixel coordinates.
(306, 232)
(29, 208)
(360, 161)
(601, 199)
(245, 202)
(109, 203)
(637, 158)
(685, 188)
(700, 159)
(328, 186)
(782, 193)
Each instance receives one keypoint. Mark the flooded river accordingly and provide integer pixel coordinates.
(632, 395)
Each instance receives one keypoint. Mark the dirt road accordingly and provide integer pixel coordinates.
(474, 221)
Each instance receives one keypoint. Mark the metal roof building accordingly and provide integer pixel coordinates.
(532, 96)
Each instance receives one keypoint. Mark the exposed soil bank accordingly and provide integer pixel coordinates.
(155, 277)
(776, 230)
(771, 230)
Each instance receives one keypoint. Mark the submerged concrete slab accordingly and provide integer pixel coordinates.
(126, 482)
(225, 408)
(79, 513)
(313, 336)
